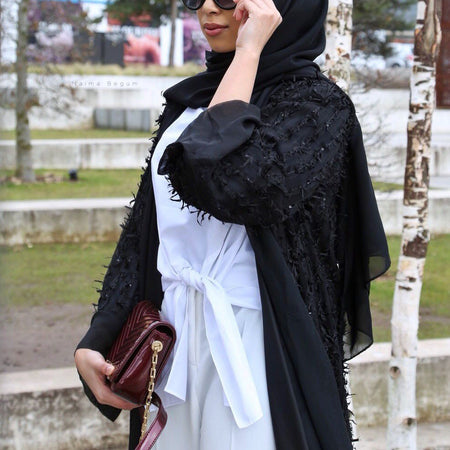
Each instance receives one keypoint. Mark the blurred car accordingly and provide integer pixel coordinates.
(361, 60)
(402, 55)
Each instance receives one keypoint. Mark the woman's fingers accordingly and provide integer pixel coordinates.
(251, 6)
(259, 19)
(108, 369)
(105, 396)
(94, 369)
(259, 7)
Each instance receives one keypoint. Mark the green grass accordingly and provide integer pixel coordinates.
(91, 133)
(91, 183)
(386, 187)
(434, 303)
(52, 273)
(65, 273)
(111, 69)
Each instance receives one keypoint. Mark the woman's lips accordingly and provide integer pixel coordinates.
(213, 29)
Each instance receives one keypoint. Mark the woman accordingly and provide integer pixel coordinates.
(267, 283)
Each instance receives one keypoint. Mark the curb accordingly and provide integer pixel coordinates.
(47, 409)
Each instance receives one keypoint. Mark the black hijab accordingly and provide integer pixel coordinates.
(290, 51)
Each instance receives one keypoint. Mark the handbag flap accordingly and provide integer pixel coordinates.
(142, 321)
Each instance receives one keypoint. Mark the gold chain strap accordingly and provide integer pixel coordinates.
(157, 346)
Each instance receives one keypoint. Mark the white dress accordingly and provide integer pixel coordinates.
(214, 385)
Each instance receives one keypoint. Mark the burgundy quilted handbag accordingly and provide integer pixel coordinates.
(138, 356)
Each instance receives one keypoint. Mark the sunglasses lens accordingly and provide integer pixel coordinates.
(197, 4)
(226, 4)
(193, 4)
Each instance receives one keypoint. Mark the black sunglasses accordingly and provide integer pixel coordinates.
(197, 4)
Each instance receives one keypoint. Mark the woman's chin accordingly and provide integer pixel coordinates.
(221, 46)
(223, 49)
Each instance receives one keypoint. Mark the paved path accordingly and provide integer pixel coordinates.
(430, 436)
(64, 204)
(440, 182)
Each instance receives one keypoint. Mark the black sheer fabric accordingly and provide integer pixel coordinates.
(366, 251)
(300, 377)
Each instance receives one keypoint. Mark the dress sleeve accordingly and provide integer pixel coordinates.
(244, 165)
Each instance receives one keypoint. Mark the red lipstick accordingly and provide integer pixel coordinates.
(213, 29)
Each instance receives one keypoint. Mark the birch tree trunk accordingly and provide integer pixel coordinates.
(173, 19)
(24, 164)
(402, 422)
(2, 30)
(339, 42)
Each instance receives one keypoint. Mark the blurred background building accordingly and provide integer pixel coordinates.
(67, 31)
(63, 31)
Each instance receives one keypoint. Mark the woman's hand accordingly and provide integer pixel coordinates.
(259, 19)
(94, 369)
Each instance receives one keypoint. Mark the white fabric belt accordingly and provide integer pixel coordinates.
(224, 339)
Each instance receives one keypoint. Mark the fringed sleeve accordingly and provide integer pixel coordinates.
(252, 167)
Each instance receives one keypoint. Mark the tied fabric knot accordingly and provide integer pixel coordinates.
(223, 338)
(192, 278)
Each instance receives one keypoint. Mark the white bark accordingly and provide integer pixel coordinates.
(402, 422)
(23, 144)
(173, 18)
(339, 42)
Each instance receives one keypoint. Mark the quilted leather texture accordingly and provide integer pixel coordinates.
(142, 316)
(131, 353)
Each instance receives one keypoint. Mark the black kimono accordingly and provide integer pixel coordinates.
(293, 170)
